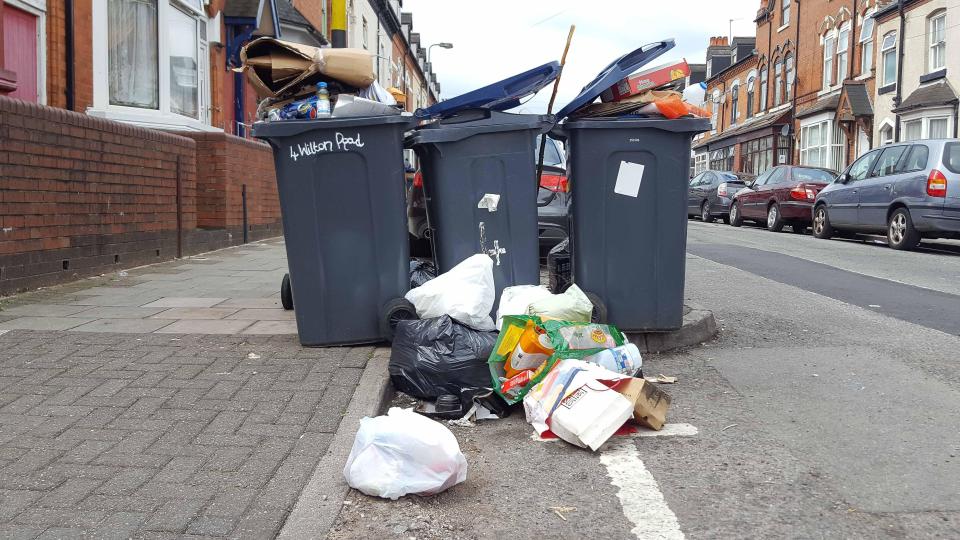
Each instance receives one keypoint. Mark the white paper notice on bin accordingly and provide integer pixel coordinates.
(628, 179)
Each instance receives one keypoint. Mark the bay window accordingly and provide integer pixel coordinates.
(937, 128)
(151, 63)
(866, 45)
(933, 123)
(936, 32)
(888, 53)
(823, 144)
(829, 49)
(913, 130)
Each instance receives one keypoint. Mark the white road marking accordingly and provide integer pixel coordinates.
(669, 430)
(643, 503)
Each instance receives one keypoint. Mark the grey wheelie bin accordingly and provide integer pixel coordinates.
(629, 179)
(341, 188)
(479, 171)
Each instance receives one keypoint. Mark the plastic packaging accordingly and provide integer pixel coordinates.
(580, 337)
(625, 360)
(515, 300)
(568, 375)
(466, 293)
(434, 357)
(402, 453)
(532, 350)
(695, 94)
(421, 271)
(573, 305)
(375, 92)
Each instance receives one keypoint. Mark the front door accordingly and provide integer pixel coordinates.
(20, 51)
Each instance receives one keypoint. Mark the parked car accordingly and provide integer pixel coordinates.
(781, 196)
(909, 191)
(553, 217)
(711, 193)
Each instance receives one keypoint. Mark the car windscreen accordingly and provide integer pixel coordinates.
(551, 156)
(951, 156)
(801, 174)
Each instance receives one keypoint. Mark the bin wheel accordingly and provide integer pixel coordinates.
(286, 293)
(599, 314)
(396, 310)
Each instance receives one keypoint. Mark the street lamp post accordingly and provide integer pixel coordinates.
(444, 45)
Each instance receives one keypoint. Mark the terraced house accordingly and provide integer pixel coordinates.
(805, 95)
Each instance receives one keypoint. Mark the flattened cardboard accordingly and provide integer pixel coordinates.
(278, 68)
(650, 404)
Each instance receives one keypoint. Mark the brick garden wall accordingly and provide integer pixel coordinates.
(225, 164)
(81, 196)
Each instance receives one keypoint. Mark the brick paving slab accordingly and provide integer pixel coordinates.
(146, 435)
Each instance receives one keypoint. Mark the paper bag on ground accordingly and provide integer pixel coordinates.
(650, 404)
(590, 415)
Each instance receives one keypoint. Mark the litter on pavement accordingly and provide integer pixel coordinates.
(404, 453)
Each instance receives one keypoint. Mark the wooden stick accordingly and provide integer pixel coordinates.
(553, 97)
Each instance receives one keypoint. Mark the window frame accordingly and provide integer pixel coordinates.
(866, 42)
(785, 13)
(763, 88)
(843, 54)
(933, 18)
(884, 51)
(790, 75)
(715, 113)
(734, 102)
(778, 82)
(751, 84)
(829, 51)
(162, 117)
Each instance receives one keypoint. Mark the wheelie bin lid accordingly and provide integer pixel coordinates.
(466, 124)
(617, 70)
(499, 96)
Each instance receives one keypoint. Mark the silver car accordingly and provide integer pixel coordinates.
(908, 190)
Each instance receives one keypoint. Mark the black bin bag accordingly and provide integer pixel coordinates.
(433, 357)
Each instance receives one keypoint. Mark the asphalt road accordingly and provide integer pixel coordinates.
(826, 408)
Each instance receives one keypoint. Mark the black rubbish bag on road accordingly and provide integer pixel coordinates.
(421, 271)
(433, 357)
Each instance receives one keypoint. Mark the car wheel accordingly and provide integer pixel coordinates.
(774, 219)
(736, 219)
(901, 234)
(821, 223)
(705, 214)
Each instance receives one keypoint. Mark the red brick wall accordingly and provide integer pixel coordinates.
(224, 165)
(83, 195)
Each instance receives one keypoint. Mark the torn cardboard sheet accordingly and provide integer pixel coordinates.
(277, 68)
(650, 404)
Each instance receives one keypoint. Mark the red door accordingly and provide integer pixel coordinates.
(20, 51)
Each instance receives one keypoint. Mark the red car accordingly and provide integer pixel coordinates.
(781, 196)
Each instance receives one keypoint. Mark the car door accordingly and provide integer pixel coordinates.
(876, 191)
(693, 206)
(761, 197)
(750, 196)
(844, 199)
(778, 187)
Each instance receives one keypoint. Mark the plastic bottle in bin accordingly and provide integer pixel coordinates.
(323, 101)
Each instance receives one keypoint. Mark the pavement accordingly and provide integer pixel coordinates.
(164, 403)
(823, 409)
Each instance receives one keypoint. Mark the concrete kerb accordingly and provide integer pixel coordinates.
(699, 326)
(320, 501)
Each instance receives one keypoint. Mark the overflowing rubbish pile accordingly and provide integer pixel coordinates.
(300, 82)
(577, 380)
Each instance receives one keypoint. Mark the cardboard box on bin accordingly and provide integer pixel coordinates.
(649, 79)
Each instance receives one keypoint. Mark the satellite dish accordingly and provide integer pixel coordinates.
(785, 130)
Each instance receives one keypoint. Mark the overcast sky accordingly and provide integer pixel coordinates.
(499, 38)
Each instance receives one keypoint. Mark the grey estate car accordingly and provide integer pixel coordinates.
(711, 192)
(907, 190)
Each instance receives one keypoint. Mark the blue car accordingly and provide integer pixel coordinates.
(909, 191)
